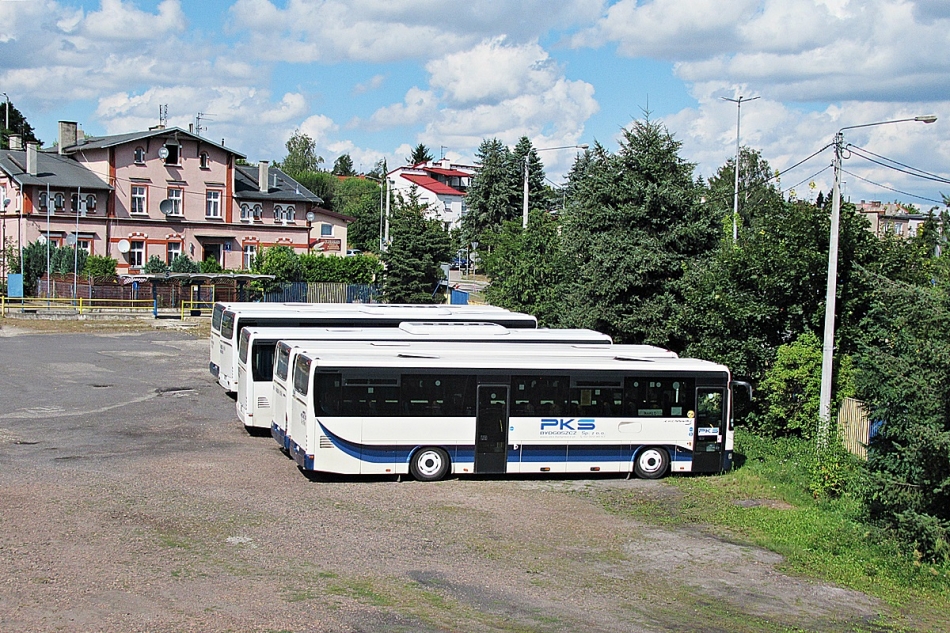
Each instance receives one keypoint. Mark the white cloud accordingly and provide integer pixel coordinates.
(810, 50)
(785, 136)
(373, 83)
(417, 106)
(495, 89)
(385, 31)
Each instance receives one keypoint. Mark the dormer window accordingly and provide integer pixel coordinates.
(139, 156)
(204, 161)
(169, 153)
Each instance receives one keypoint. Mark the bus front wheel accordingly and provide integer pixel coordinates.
(429, 464)
(652, 463)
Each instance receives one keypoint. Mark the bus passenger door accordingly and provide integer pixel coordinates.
(491, 429)
(709, 442)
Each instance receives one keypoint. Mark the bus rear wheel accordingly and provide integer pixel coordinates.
(429, 464)
(651, 463)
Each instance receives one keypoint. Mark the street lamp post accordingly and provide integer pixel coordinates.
(524, 212)
(735, 202)
(828, 344)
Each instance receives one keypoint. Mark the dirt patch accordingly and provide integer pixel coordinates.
(133, 511)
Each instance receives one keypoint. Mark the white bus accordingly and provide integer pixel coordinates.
(217, 316)
(257, 347)
(506, 411)
(345, 315)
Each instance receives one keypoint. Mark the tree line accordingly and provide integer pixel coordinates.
(636, 246)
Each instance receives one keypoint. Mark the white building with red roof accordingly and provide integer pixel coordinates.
(440, 185)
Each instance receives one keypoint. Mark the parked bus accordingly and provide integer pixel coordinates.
(217, 316)
(349, 315)
(287, 352)
(257, 347)
(506, 410)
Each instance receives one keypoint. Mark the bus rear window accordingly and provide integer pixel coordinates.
(227, 325)
(243, 345)
(216, 317)
(302, 375)
(283, 360)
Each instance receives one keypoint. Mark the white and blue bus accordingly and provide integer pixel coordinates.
(288, 350)
(257, 347)
(505, 410)
(342, 315)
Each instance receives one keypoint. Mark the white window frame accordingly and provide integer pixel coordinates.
(139, 205)
(213, 204)
(177, 198)
(172, 247)
(136, 253)
(249, 255)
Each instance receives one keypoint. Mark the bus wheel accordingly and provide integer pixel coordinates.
(652, 463)
(429, 464)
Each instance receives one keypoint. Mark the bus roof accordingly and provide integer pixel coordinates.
(513, 356)
(423, 330)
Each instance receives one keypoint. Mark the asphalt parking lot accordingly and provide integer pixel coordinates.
(131, 499)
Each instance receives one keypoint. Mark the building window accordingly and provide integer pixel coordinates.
(204, 161)
(173, 251)
(246, 213)
(213, 204)
(139, 157)
(250, 252)
(91, 203)
(172, 156)
(138, 200)
(326, 230)
(137, 254)
(176, 196)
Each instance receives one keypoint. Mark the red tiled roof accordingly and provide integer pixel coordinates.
(432, 185)
(447, 172)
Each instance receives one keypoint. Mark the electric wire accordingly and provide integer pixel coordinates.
(920, 173)
(903, 193)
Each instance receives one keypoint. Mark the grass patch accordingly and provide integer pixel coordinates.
(766, 502)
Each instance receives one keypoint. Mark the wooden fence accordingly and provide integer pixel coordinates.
(855, 427)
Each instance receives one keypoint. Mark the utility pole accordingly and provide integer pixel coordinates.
(735, 202)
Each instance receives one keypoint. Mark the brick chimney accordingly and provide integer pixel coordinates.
(262, 171)
(31, 159)
(68, 135)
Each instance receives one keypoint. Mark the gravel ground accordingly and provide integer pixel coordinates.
(131, 499)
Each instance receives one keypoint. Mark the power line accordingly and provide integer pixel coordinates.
(903, 193)
(920, 173)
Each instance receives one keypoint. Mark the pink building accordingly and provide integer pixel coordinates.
(164, 192)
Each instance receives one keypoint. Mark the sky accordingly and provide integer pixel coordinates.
(373, 78)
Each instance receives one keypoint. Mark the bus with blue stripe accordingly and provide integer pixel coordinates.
(461, 410)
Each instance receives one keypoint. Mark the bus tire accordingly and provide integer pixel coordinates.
(651, 463)
(429, 464)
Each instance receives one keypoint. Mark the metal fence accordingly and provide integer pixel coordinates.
(325, 293)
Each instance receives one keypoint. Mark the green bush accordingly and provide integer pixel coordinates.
(99, 266)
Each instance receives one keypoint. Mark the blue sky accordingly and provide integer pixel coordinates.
(372, 78)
